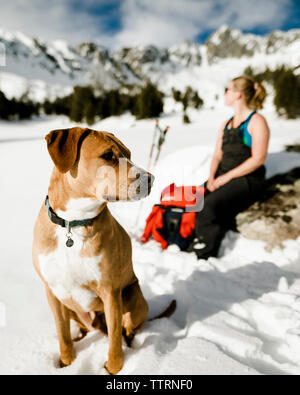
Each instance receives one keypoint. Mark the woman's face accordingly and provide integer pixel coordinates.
(231, 95)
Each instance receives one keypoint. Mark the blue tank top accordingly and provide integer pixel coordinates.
(243, 130)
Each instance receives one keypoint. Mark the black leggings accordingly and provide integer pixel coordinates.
(219, 211)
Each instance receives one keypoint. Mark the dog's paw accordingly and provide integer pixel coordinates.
(61, 364)
(129, 339)
(81, 336)
(106, 368)
(66, 361)
(113, 369)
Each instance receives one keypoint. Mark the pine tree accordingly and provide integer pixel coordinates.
(176, 94)
(186, 118)
(196, 100)
(81, 98)
(149, 103)
(287, 97)
(89, 113)
(4, 106)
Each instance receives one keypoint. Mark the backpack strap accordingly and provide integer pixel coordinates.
(248, 119)
(250, 116)
(228, 122)
(242, 123)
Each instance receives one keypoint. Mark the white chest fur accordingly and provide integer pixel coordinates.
(66, 271)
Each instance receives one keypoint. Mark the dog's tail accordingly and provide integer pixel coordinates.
(168, 312)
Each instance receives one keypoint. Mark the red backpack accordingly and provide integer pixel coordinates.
(173, 220)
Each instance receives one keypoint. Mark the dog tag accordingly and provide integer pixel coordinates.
(69, 242)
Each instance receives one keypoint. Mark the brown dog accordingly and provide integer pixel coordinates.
(86, 265)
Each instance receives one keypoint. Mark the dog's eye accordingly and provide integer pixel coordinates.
(108, 156)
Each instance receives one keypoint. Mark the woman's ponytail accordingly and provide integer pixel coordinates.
(254, 92)
(259, 96)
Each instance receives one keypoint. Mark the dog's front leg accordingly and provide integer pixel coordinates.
(113, 315)
(62, 322)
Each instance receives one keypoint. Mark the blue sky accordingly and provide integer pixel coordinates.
(121, 23)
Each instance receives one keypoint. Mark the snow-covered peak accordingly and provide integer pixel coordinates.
(90, 50)
(279, 39)
(226, 52)
(215, 37)
(232, 43)
(140, 54)
(64, 49)
(186, 53)
(28, 55)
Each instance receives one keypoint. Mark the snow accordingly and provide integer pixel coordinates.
(237, 314)
(15, 86)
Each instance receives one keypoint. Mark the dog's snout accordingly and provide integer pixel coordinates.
(148, 178)
(142, 185)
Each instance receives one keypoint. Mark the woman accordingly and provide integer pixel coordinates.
(237, 171)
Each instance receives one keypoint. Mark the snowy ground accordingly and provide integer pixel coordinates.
(237, 314)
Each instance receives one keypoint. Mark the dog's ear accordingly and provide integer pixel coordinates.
(64, 146)
(122, 148)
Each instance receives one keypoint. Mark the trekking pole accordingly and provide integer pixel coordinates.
(153, 144)
(148, 168)
(160, 143)
(156, 130)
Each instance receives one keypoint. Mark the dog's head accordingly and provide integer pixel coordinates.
(97, 164)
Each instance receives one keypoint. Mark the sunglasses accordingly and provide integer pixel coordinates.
(229, 89)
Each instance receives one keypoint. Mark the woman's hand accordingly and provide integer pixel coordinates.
(216, 183)
(221, 180)
(210, 184)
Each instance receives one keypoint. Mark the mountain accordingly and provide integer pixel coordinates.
(226, 43)
(42, 69)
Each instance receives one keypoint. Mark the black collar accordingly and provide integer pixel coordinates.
(64, 223)
(67, 224)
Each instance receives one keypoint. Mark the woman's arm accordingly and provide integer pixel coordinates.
(260, 133)
(218, 153)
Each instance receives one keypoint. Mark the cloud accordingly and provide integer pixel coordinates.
(165, 22)
(57, 19)
(118, 23)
